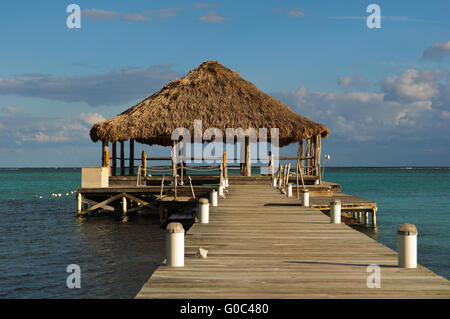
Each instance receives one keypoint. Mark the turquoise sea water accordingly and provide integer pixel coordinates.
(41, 236)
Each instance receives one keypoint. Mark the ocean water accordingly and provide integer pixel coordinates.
(40, 237)
(420, 196)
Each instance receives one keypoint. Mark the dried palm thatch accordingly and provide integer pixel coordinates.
(214, 94)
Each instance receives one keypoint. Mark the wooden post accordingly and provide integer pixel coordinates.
(105, 154)
(288, 173)
(176, 184)
(221, 178)
(248, 163)
(271, 165)
(144, 164)
(174, 158)
(122, 158)
(107, 164)
(308, 154)
(298, 166)
(317, 156)
(131, 161)
(114, 158)
(313, 159)
(225, 169)
(374, 218)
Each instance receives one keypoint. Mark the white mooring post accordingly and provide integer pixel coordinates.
(226, 182)
(289, 190)
(175, 245)
(305, 198)
(213, 198)
(335, 211)
(220, 190)
(274, 182)
(203, 211)
(407, 246)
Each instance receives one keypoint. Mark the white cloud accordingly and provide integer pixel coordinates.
(357, 82)
(408, 114)
(212, 17)
(91, 118)
(110, 88)
(24, 128)
(200, 5)
(11, 109)
(100, 14)
(412, 85)
(134, 17)
(297, 13)
(437, 52)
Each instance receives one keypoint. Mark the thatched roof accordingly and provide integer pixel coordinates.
(214, 94)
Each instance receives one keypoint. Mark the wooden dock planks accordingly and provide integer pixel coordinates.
(264, 245)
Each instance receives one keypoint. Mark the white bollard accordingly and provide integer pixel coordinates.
(335, 211)
(305, 198)
(280, 181)
(317, 182)
(289, 190)
(274, 182)
(79, 201)
(175, 245)
(220, 190)
(407, 246)
(203, 211)
(213, 198)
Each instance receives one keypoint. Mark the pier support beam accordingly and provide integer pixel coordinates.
(124, 205)
(79, 201)
(374, 218)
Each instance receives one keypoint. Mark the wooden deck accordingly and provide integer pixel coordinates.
(264, 245)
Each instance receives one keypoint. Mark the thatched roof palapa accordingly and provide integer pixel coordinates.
(214, 94)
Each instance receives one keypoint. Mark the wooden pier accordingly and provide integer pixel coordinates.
(262, 244)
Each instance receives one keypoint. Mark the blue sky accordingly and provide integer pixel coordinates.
(384, 93)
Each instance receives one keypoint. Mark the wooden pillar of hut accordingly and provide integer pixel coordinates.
(248, 163)
(308, 155)
(317, 152)
(174, 158)
(313, 156)
(114, 158)
(122, 158)
(224, 161)
(131, 160)
(299, 166)
(105, 154)
(144, 163)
